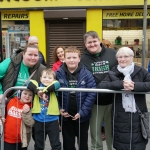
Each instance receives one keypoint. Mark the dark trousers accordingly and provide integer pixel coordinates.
(70, 130)
(14, 146)
(48, 128)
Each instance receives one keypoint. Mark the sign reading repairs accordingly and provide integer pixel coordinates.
(124, 14)
(15, 16)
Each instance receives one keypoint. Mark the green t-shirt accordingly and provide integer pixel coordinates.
(23, 75)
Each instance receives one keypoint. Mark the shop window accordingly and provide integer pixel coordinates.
(15, 34)
(121, 24)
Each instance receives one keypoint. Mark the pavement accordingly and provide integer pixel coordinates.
(47, 143)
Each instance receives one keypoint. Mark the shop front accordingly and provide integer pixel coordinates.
(57, 22)
(125, 28)
(15, 31)
(17, 26)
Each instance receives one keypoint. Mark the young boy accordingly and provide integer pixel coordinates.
(45, 110)
(19, 122)
(75, 107)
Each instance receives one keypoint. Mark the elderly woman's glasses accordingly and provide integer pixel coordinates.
(125, 57)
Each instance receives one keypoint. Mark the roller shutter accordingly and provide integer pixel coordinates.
(65, 34)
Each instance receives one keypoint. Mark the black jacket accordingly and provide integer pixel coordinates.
(99, 67)
(127, 125)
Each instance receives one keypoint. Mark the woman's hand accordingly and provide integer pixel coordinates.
(128, 85)
(26, 108)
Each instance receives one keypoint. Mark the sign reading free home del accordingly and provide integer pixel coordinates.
(124, 14)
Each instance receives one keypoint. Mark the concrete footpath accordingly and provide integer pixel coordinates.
(47, 145)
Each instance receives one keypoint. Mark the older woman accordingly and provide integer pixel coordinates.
(127, 133)
(14, 71)
(58, 56)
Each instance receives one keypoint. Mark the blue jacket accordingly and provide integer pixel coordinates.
(85, 80)
(149, 66)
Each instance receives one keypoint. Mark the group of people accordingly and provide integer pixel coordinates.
(38, 109)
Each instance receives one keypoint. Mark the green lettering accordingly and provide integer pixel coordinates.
(107, 67)
(92, 69)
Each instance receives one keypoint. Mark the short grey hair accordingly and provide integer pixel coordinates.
(90, 33)
(31, 39)
(125, 50)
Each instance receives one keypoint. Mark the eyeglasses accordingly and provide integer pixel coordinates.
(125, 57)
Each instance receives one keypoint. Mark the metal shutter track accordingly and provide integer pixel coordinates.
(65, 34)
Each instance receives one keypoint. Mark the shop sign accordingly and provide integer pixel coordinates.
(15, 15)
(125, 14)
(5, 4)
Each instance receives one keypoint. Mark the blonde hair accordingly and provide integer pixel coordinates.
(49, 72)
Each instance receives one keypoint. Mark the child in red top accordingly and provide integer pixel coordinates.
(18, 121)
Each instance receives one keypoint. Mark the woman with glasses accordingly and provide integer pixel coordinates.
(127, 134)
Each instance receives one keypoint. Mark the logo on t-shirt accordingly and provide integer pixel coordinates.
(73, 84)
(22, 78)
(100, 67)
(15, 112)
